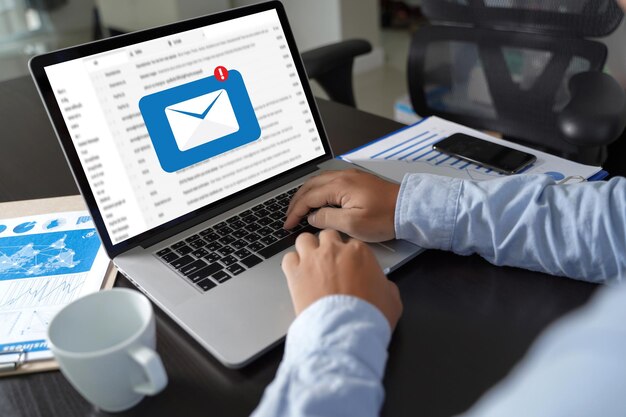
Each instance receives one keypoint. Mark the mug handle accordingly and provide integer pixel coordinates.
(153, 368)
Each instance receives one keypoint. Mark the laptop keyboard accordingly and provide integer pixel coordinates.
(218, 253)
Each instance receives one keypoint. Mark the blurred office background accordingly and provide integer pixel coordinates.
(29, 27)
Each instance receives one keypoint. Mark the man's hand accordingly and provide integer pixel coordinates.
(327, 266)
(365, 204)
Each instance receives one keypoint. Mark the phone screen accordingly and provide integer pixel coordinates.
(488, 154)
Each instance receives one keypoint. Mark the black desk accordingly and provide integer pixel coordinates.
(465, 321)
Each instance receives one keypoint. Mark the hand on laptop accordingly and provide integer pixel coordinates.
(365, 204)
(327, 265)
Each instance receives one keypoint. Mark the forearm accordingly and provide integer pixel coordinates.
(577, 230)
(575, 369)
(334, 361)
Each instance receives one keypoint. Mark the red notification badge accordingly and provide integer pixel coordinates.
(221, 73)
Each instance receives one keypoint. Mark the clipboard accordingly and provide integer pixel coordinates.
(45, 206)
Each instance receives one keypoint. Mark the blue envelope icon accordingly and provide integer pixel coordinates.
(199, 120)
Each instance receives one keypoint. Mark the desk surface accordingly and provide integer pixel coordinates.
(465, 323)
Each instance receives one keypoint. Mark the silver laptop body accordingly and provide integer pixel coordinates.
(174, 131)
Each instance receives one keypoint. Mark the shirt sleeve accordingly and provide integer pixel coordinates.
(334, 361)
(575, 369)
(528, 221)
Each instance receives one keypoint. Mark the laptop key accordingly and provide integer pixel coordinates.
(269, 202)
(256, 246)
(163, 251)
(220, 225)
(277, 215)
(197, 244)
(221, 276)
(258, 207)
(179, 244)
(212, 257)
(245, 213)
(277, 225)
(242, 253)
(269, 239)
(252, 237)
(265, 221)
(281, 233)
(264, 231)
(226, 250)
(238, 244)
(199, 253)
(235, 269)
(238, 224)
(251, 260)
(233, 219)
(169, 257)
(184, 250)
(224, 231)
(275, 207)
(211, 237)
(204, 272)
(240, 233)
(228, 260)
(262, 213)
(227, 240)
(206, 284)
(213, 246)
(182, 261)
(192, 267)
(250, 219)
(283, 244)
(192, 238)
(206, 232)
(253, 227)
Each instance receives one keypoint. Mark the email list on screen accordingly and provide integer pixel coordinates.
(214, 144)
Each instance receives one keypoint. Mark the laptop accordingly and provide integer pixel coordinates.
(187, 142)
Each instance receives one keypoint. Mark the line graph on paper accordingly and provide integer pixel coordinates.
(28, 305)
(34, 292)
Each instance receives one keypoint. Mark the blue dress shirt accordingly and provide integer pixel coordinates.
(335, 352)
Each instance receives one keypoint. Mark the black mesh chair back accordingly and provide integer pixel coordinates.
(507, 66)
(581, 18)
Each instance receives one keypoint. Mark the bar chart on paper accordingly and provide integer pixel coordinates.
(411, 150)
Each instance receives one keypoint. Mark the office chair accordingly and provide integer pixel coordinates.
(331, 66)
(523, 68)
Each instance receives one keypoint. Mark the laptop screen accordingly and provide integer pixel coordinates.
(170, 125)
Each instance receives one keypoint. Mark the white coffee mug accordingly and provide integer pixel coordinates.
(105, 345)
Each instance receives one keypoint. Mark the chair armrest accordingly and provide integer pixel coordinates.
(596, 113)
(331, 66)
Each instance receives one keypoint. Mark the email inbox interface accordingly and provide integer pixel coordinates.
(199, 120)
(170, 125)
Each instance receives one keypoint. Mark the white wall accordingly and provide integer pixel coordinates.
(314, 23)
(131, 15)
(616, 60)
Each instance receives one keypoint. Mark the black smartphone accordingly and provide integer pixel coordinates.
(488, 154)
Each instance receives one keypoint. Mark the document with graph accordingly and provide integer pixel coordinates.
(410, 150)
(46, 261)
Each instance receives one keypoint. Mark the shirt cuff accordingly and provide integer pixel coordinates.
(340, 323)
(426, 210)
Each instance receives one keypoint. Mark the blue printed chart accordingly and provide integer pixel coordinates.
(411, 150)
(45, 263)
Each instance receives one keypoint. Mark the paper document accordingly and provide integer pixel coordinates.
(46, 261)
(410, 150)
